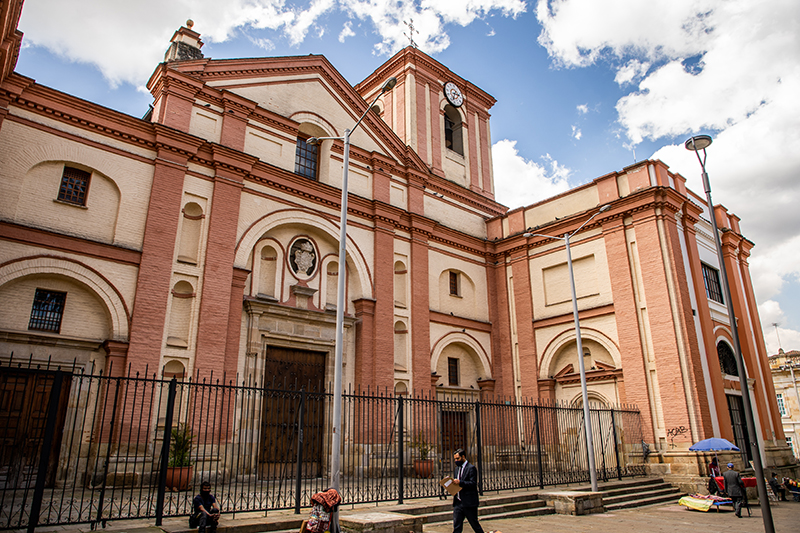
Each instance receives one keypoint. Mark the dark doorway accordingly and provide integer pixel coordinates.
(294, 379)
(740, 434)
(24, 399)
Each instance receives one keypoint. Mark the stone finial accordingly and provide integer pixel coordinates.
(185, 45)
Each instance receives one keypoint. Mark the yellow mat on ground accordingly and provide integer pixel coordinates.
(697, 504)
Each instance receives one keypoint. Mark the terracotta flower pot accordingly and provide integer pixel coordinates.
(423, 467)
(179, 477)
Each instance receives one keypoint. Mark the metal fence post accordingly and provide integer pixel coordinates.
(400, 450)
(47, 445)
(162, 474)
(299, 481)
(616, 446)
(602, 445)
(479, 444)
(539, 445)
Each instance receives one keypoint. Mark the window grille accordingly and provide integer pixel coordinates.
(452, 371)
(781, 405)
(713, 287)
(727, 361)
(74, 186)
(47, 311)
(305, 160)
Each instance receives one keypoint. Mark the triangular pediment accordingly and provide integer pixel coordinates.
(303, 89)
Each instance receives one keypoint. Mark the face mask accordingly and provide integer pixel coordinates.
(459, 463)
(205, 491)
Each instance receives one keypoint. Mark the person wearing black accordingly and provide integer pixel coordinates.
(465, 502)
(734, 488)
(205, 505)
(777, 488)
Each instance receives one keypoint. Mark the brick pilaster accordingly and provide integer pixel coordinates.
(149, 314)
(420, 311)
(523, 312)
(383, 334)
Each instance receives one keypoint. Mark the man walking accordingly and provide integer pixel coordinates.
(734, 487)
(465, 502)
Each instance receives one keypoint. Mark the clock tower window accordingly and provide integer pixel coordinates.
(452, 130)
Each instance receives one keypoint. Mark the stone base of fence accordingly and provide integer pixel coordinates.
(377, 522)
(574, 502)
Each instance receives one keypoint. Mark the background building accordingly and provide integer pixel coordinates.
(785, 367)
(202, 240)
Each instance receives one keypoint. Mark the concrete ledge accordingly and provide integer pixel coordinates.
(378, 522)
(574, 502)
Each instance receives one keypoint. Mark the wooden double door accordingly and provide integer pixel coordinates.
(293, 412)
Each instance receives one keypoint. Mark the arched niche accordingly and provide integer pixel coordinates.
(471, 355)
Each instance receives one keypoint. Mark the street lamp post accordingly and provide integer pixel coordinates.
(336, 441)
(697, 144)
(584, 391)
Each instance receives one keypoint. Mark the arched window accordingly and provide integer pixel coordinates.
(727, 361)
(453, 138)
(400, 346)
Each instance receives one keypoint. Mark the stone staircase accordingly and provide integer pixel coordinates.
(491, 508)
(636, 493)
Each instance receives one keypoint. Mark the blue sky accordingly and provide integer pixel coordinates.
(580, 85)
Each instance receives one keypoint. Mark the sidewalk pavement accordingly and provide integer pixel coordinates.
(666, 518)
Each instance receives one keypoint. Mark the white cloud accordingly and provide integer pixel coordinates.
(632, 71)
(776, 337)
(347, 31)
(582, 109)
(125, 41)
(576, 133)
(522, 182)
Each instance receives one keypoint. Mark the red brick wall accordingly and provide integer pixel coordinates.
(155, 271)
(420, 311)
(630, 341)
(526, 338)
(216, 300)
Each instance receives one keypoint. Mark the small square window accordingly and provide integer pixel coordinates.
(74, 186)
(47, 311)
(452, 371)
(455, 284)
(305, 159)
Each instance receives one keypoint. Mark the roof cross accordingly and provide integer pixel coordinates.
(411, 32)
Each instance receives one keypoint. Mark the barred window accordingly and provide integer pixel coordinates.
(727, 361)
(48, 308)
(781, 405)
(305, 159)
(711, 279)
(455, 284)
(452, 371)
(74, 186)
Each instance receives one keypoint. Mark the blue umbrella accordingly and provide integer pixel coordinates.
(713, 445)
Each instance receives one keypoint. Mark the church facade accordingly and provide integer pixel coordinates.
(203, 240)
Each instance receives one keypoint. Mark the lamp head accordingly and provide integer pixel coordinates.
(604, 208)
(388, 85)
(697, 143)
(312, 140)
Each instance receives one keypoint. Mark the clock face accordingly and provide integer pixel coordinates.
(453, 94)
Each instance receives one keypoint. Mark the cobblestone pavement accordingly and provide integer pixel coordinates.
(671, 518)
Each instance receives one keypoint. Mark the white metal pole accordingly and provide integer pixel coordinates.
(336, 441)
(766, 512)
(584, 392)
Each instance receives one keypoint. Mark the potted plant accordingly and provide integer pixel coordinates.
(422, 466)
(179, 467)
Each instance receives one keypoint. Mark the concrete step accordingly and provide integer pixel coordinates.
(619, 485)
(635, 490)
(507, 510)
(668, 491)
(667, 498)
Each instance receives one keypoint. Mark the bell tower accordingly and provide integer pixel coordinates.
(440, 115)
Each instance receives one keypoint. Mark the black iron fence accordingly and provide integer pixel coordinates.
(81, 447)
